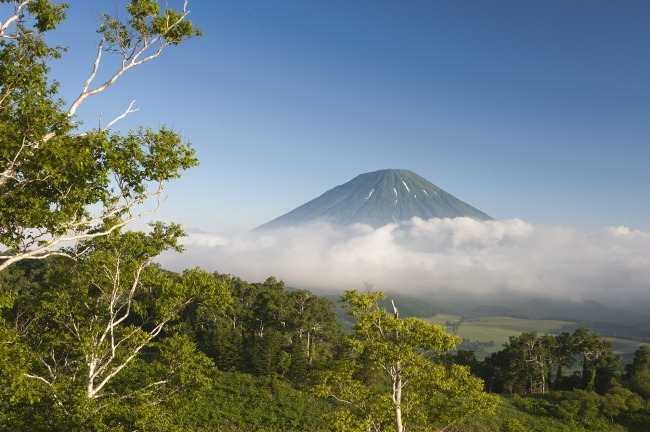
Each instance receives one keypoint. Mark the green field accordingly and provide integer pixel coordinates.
(499, 329)
(625, 346)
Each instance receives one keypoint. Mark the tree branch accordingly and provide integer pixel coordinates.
(127, 112)
(128, 62)
(43, 252)
(18, 11)
(95, 66)
(28, 375)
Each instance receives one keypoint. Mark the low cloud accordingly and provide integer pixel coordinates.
(442, 258)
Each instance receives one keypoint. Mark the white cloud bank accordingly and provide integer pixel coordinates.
(452, 258)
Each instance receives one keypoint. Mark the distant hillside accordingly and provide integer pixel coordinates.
(378, 198)
(613, 330)
(410, 306)
(492, 311)
(586, 311)
(589, 313)
(604, 320)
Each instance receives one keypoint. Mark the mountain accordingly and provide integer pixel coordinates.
(492, 311)
(378, 198)
(194, 231)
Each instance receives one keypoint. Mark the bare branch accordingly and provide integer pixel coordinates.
(95, 66)
(127, 112)
(38, 378)
(134, 352)
(43, 251)
(49, 254)
(129, 61)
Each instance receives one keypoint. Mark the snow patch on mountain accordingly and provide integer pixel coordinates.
(350, 203)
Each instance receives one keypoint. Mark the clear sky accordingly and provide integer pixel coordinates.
(531, 110)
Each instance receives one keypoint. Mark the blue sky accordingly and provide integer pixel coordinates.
(531, 110)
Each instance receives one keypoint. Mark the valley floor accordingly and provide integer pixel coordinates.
(499, 329)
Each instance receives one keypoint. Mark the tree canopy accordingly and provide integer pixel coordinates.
(86, 337)
(402, 353)
(51, 172)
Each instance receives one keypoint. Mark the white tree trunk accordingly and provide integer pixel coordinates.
(308, 347)
(397, 400)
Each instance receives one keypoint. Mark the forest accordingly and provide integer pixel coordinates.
(136, 347)
(96, 336)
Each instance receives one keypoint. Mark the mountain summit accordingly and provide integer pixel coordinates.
(378, 198)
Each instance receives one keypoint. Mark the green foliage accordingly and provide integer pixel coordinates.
(44, 301)
(640, 383)
(267, 330)
(640, 361)
(241, 402)
(513, 425)
(364, 402)
(619, 400)
(393, 379)
(82, 344)
(536, 364)
(615, 404)
(530, 413)
(47, 14)
(146, 21)
(51, 175)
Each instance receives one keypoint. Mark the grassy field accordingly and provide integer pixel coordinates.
(499, 329)
(624, 346)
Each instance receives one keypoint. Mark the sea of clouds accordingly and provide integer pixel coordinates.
(458, 258)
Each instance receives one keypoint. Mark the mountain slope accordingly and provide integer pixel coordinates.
(378, 198)
(492, 311)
